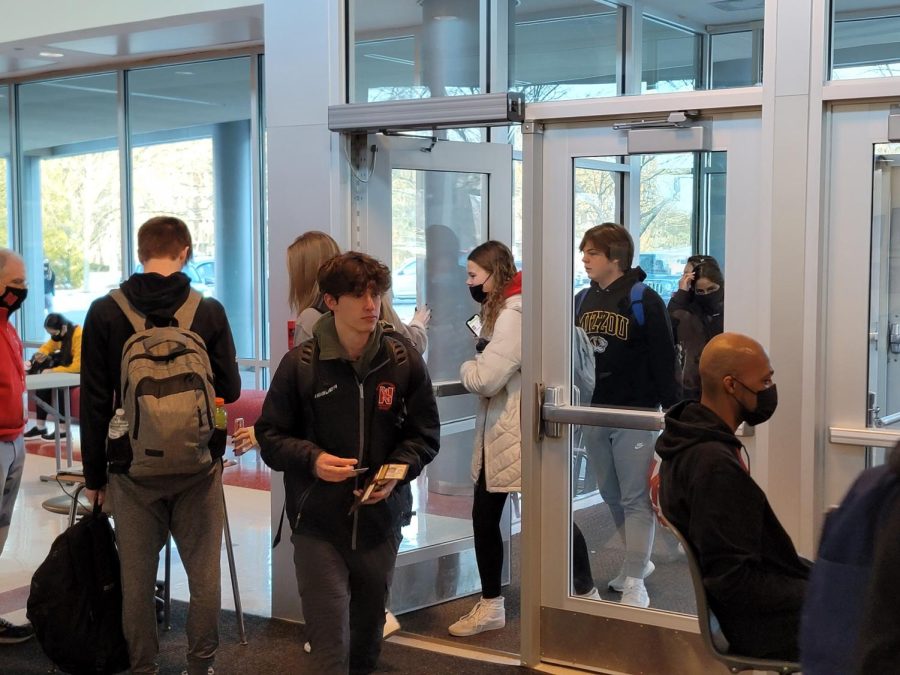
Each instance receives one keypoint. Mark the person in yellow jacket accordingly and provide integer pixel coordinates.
(60, 354)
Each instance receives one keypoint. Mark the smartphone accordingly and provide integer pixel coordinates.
(474, 324)
(359, 471)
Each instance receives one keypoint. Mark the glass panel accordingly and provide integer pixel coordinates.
(865, 40)
(438, 217)
(883, 397)
(671, 58)
(70, 195)
(401, 49)
(191, 149)
(5, 194)
(731, 55)
(565, 53)
(635, 365)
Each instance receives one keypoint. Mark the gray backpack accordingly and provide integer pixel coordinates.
(167, 392)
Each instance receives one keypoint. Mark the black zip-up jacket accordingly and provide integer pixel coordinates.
(753, 577)
(388, 414)
(635, 364)
(107, 329)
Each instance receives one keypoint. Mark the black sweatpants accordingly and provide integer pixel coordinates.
(46, 395)
(343, 591)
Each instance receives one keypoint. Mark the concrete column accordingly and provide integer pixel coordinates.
(233, 194)
(307, 185)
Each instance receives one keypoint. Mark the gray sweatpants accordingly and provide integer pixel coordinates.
(343, 592)
(621, 460)
(12, 464)
(146, 510)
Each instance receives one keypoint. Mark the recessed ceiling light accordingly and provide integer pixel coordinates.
(52, 55)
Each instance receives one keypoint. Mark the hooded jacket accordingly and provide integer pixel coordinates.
(753, 577)
(106, 329)
(375, 410)
(12, 381)
(696, 319)
(635, 364)
(496, 376)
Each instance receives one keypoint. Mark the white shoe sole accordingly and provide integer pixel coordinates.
(466, 632)
(619, 586)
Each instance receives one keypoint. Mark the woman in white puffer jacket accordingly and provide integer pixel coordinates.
(495, 375)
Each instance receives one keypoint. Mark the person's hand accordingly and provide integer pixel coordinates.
(242, 440)
(334, 469)
(686, 281)
(95, 496)
(39, 357)
(379, 493)
(422, 316)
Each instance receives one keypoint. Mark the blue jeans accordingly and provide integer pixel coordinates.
(621, 461)
(12, 464)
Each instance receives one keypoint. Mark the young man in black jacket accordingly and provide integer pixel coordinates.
(753, 577)
(341, 405)
(147, 508)
(635, 368)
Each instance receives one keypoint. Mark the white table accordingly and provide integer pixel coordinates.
(56, 383)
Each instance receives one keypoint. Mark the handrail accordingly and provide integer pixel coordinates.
(887, 420)
(873, 438)
(603, 417)
(448, 388)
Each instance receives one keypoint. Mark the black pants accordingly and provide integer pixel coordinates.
(487, 509)
(582, 577)
(46, 395)
(343, 592)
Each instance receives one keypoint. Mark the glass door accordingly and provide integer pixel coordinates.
(862, 325)
(676, 200)
(428, 203)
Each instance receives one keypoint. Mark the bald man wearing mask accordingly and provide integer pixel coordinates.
(754, 579)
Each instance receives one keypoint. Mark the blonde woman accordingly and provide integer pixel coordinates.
(304, 257)
(495, 375)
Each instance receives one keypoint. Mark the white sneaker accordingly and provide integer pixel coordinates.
(592, 594)
(487, 614)
(635, 593)
(618, 584)
(391, 625)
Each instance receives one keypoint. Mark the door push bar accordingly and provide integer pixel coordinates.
(554, 413)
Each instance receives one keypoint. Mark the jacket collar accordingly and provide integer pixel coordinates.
(330, 346)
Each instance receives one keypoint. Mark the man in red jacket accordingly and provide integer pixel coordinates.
(13, 289)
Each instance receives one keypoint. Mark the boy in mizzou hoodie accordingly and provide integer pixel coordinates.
(635, 360)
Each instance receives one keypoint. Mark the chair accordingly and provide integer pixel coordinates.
(711, 631)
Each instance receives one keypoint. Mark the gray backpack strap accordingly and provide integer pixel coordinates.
(138, 320)
(185, 314)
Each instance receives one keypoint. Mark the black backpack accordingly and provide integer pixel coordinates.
(75, 604)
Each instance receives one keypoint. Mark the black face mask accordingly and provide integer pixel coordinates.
(711, 303)
(766, 402)
(478, 294)
(13, 298)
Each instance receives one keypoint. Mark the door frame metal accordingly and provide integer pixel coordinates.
(548, 611)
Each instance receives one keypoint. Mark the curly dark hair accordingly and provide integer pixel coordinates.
(353, 273)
